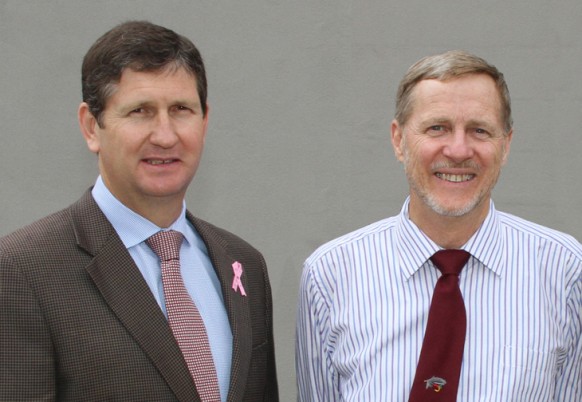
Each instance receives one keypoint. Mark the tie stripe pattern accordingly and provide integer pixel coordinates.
(441, 356)
(183, 316)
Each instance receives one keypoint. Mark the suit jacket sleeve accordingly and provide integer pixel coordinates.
(27, 367)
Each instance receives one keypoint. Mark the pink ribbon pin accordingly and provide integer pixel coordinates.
(236, 282)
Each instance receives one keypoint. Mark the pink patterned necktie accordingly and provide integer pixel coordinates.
(183, 316)
(439, 365)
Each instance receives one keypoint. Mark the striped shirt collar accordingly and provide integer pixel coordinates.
(414, 247)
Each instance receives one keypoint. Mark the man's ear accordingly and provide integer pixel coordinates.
(507, 147)
(89, 127)
(205, 128)
(397, 137)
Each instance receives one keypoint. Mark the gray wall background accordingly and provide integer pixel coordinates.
(298, 150)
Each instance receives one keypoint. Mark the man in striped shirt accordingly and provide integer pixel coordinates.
(365, 297)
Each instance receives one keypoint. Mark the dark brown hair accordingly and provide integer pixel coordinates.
(140, 46)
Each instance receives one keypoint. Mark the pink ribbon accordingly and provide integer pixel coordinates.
(236, 282)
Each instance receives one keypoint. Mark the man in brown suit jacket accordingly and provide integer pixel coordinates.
(80, 316)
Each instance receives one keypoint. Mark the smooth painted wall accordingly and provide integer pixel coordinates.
(302, 96)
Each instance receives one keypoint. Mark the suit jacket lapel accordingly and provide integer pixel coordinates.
(118, 279)
(236, 306)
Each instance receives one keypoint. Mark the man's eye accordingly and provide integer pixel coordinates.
(182, 108)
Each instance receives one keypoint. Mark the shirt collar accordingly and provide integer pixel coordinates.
(414, 247)
(488, 243)
(131, 227)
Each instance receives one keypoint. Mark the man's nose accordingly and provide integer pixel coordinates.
(163, 131)
(458, 146)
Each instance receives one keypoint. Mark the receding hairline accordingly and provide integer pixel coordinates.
(448, 66)
(412, 94)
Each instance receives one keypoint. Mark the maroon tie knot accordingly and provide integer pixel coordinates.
(166, 244)
(450, 262)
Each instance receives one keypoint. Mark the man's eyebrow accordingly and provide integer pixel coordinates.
(470, 123)
(134, 104)
(481, 123)
(137, 103)
(434, 120)
(191, 103)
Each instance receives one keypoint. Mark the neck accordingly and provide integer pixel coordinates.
(449, 232)
(163, 215)
(162, 211)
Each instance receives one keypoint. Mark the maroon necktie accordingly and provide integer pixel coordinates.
(439, 365)
(183, 316)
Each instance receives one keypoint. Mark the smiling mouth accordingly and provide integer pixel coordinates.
(159, 161)
(455, 178)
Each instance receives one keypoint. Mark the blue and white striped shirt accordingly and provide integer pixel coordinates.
(364, 302)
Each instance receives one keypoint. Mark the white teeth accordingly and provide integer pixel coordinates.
(455, 178)
(158, 161)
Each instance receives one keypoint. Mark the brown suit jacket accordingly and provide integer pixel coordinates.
(79, 323)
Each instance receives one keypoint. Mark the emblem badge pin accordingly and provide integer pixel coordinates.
(436, 383)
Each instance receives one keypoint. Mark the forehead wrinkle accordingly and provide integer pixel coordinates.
(148, 96)
(460, 116)
(431, 93)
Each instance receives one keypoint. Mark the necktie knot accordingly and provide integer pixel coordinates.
(450, 262)
(166, 244)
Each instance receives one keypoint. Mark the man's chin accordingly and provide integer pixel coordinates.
(451, 210)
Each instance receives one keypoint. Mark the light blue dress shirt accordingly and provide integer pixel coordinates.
(197, 271)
